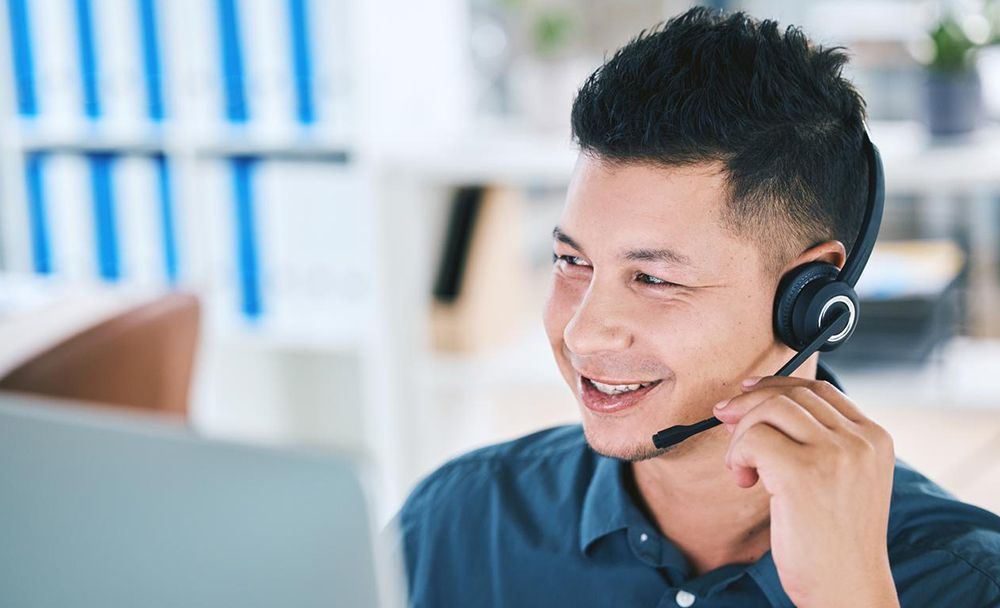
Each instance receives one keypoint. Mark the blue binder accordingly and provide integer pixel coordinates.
(172, 269)
(231, 54)
(41, 248)
(151, 59)
(88, 59)
(23, 59)
(106, 237)
(246, 242)
(301, 59)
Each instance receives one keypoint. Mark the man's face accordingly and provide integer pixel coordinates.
(651, 289)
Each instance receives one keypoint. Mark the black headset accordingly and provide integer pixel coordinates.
(816, 307)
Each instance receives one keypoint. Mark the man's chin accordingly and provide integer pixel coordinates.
(629, 449)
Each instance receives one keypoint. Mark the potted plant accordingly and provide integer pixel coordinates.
(954, 91)
(549, 68)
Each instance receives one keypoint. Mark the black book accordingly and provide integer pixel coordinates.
(461, 224)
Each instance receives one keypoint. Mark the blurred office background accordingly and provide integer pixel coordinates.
(360, 196)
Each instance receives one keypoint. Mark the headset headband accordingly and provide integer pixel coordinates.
(865, 241)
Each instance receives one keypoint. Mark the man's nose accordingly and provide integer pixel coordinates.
(599, 324)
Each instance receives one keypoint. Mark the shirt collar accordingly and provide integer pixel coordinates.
(606, 505)
(608, 508)
(765, 574)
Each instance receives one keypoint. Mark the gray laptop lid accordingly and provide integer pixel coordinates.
(102, 509)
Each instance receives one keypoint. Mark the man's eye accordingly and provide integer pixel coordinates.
(572, 260)
(642, 277)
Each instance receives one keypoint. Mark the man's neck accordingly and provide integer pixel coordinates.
(695, 502)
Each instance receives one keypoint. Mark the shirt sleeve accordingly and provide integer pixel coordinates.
(966, 572)
(436, 525)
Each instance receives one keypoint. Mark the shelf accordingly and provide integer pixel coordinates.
(277, 149)
(167, 139)
(87, 139)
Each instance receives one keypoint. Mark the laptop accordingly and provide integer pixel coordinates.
(106, 509)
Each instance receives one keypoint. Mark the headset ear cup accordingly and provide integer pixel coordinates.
(822, 305)
(813, 275)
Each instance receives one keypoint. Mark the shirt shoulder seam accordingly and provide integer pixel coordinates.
(985, 574)
(462, 466)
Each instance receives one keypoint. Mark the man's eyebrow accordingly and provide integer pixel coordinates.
(562, 237)
(667, 256)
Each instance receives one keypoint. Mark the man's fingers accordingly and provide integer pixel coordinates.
(738, 407)
(822, 400)
(829, 393)
(761, 448)
(785, 415)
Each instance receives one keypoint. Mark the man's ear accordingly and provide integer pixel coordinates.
(831, 252)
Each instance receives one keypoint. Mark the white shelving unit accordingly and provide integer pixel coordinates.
(196, 140)
(326, 369)
(322, 372)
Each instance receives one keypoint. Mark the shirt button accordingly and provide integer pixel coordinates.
(643, 537)
(684, 598)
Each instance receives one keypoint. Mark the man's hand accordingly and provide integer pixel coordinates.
(828, 470)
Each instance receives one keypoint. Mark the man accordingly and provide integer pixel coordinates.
(717, 154)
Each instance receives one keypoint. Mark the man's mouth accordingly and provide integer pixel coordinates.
(618, 389)
(607, 396)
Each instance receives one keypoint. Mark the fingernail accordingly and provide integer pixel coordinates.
(750, 381)
(722, 404)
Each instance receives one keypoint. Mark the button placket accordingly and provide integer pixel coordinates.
(645, 547)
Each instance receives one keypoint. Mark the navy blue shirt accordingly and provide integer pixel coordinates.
(546, 521)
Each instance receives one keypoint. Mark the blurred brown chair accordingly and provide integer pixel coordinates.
(141, 358)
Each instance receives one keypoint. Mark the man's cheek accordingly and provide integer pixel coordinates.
(560, 304)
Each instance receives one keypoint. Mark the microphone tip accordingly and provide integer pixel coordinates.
(662, 441)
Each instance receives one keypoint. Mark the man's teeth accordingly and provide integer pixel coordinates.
(617, 389)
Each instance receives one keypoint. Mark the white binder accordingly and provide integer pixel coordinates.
(220, 240)
(139, 221)
(190, 48)
(331, 32)
(264, 34)
(54, 42)
(119, 63)
(315, 268)
(70, 211)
